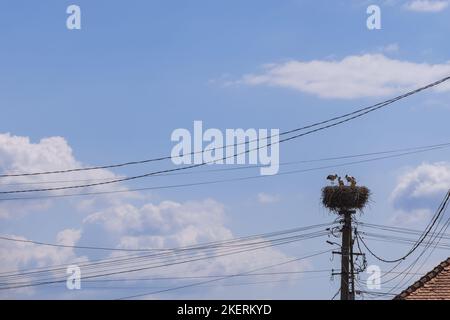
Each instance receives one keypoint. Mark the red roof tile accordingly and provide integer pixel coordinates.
(435, 285)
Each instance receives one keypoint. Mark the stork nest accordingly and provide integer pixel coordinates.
(336, 198)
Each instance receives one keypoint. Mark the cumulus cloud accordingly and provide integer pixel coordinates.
(427, 5)
(17, 256)
(19, 155)
(117, 221)
(169, 223)
(368, 75)
(173, 224)
(68, 237)
(420, 190)
(21, 255)
(422, 185)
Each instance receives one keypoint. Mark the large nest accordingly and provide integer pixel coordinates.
(341, 198)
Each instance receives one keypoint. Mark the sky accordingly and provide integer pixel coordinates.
(115, 90)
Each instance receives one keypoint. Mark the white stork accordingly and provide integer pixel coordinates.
(332, 177)
(351, 180)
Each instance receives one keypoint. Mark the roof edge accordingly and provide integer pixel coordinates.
(423, 280)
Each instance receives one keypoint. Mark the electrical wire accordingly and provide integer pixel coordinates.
(365, 109)
(134, 269)
(117, 271)
(207, 286)
(207, 276)
(293, 230)
(231, 156)
(210, 182)
(223, 278)
(169, 251)
(400, 230)
(159, 259)
(405, 272)
(419, 150)
(419, 241)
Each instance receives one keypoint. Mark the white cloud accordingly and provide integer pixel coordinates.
(117, 221)
(16, 256)
(19, 155)
(419, 192)
(426, 180)
(368, 75)
(19, 255)
(266, 198)
(68, 237)
(173, 224)
(168, 224)
(427, 5)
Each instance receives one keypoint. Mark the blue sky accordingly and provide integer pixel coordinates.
(116, 89)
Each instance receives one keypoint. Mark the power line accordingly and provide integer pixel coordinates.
(145, 267)
(418, 243)
(223, 278)
(434, 235)
(206, 286)
(271, 234)
(207, 277)
(178, 253)
(133, 266)
(357, 115)
(365, 110)
(210, 276)
(168, 252)
(399, 240)
(432, 241)
(376, 293)
(419, 149)
(336, 294)
(395, 229)
(210, 182)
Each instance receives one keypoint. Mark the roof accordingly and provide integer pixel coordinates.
(435, 285)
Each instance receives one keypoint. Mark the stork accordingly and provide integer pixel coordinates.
(332, 177)
(351, 180)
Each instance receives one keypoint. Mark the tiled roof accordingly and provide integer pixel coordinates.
(435, 285)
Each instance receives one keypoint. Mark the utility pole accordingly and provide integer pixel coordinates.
(347, 270)
(352, 271)
(344, 200)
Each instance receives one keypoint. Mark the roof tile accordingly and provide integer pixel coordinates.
(435, 285)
